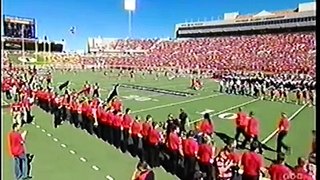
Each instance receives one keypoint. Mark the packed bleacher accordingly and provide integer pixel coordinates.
(277, 53)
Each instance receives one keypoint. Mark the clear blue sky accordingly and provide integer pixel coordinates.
(107, 18)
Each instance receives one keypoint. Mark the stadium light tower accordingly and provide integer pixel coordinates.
(130, 6)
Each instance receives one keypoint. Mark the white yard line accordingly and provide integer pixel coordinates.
(265, 140)
(178, 103)
(94, 167)
(229, 109)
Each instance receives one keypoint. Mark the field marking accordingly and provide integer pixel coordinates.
(109, 177)
(268, 138)
(32, 123)
(63, 145)
(229, 109)
(37, 126)
(83, 159)
(178, 103)
(95, 168)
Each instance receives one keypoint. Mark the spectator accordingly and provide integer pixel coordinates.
(143, 172)
(252, 163)
(18, 152)
(278, 170)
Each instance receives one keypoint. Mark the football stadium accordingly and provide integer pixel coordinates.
(223, 99)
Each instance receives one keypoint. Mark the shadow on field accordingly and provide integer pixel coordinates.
(226, 138)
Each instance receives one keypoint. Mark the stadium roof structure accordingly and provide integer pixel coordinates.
(303, 9)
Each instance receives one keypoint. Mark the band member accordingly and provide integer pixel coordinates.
(283, 127)
(146, 127)
(304, 95)
(279, 169)
(298, 96)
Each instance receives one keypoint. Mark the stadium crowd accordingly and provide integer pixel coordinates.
(275, 53)
(171, 145)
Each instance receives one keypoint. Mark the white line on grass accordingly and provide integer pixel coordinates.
(109, 177)
(43, 130)
(37, 126)
(229, 109)
(178, 103)
(95, 168)
(48, 134)
(290, 119)
(72, 152)
(63, 145)
(83, 159)
(55, 139)
(32, 123)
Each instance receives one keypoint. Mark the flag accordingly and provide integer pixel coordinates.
(113, 93)
(72, 30)
(130, 5)
(65, 84)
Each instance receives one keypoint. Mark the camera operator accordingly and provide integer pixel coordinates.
(143, 172)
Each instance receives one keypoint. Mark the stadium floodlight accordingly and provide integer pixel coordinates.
(130, 6)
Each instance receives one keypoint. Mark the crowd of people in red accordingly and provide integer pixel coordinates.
(276, 53)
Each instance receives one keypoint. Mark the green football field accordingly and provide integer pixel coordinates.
(67, 152)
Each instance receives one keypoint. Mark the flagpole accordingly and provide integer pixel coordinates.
(129, 23)
(23, 53)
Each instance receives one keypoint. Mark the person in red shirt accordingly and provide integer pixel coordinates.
(241, 122)
(252, 131)
(300, 171)
(17, 151)
(190, 149)
(116, 105)
(283, 127)
(206, 127)
(205, 157)
(146, 127)
(125, 127)
(174, 145)
(116, 124)
(135, 132)
(252, 163)
(278, 170)
(154, 138)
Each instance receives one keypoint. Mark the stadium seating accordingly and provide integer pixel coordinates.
(276, 53)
